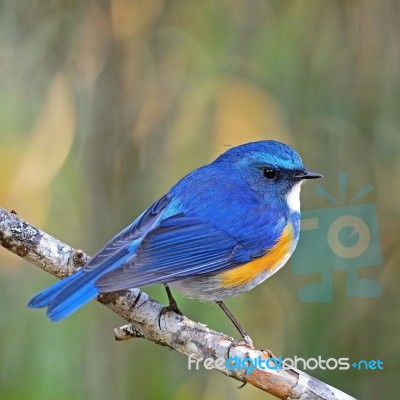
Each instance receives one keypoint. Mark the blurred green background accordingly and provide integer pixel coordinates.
(105, 104)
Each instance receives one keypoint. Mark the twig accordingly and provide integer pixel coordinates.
(147, 319)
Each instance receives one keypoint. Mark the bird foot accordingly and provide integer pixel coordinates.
(269, 353)
(246, 342)
(173, 307)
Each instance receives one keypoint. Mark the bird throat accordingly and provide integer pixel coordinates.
(293, 197)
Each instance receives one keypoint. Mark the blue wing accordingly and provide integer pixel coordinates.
(180, 246)
(154, 249)
(126, 240)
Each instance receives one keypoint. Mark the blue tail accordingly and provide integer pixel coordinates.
(45, 297)
(68, 295)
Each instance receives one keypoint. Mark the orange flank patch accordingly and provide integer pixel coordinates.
(269, 261)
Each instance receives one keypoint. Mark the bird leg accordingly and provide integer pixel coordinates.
(246, 338)
(173, 306)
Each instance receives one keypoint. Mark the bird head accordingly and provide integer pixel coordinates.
(272, 169)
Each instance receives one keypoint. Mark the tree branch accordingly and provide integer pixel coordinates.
(147, 319)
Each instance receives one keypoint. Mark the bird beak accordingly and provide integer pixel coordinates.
(307, 175)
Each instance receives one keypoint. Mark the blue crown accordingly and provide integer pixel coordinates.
(268, 152)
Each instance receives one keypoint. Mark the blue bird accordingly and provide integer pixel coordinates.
(220, 231)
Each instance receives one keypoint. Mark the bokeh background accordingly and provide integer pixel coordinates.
(105, 104)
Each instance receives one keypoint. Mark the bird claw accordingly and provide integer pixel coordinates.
(269, 353)
(172, 307)
(245, 341)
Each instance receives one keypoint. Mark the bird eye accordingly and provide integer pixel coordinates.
(270, 173)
